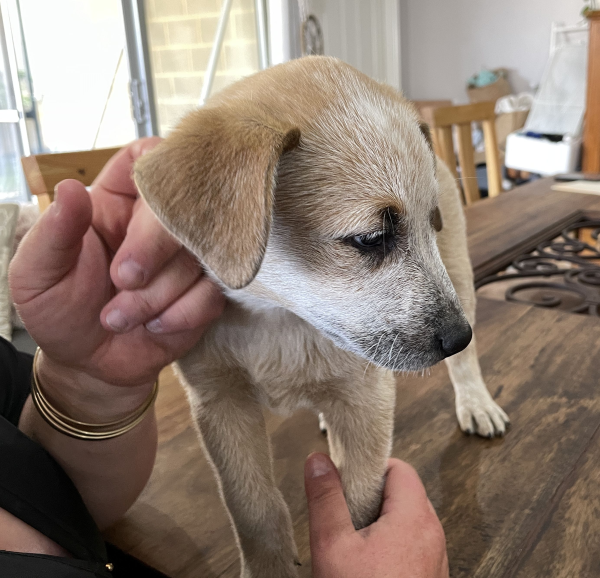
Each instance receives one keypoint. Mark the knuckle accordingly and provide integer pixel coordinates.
(185, 319)
(323, 494)
(143, 303)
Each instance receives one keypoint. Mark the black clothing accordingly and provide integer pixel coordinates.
(34, 488)
(15, 372)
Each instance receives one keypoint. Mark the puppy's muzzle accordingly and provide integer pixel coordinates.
(454, 338)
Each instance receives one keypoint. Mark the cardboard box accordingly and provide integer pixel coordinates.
(538, 155)
(490, 92)
(509, 122)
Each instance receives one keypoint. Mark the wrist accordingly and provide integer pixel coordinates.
(83, 397)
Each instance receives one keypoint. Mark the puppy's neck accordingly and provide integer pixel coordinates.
(257, 297)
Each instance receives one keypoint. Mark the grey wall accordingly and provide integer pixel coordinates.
(443, 42)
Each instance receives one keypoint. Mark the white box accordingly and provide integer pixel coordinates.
(539, 155)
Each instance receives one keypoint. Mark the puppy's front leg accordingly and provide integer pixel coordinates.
(475, 408)
(476, 411)
(360, 425)
(233, 431)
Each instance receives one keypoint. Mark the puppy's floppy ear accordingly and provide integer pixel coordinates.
(211, 184)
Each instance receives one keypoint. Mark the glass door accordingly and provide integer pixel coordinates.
(13, 131)
(197, 47)
(77, 55)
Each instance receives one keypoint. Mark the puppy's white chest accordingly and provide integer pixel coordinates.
(286, 360)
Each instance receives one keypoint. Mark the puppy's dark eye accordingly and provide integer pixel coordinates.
(368, 241)
(376, 244)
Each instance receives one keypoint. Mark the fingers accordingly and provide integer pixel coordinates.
(115, 177)
(114, 193)
(51, 248)
(128, 309)
(404, 495)
(178, 299)
(328, 514)
(147, 247)
(200, 305)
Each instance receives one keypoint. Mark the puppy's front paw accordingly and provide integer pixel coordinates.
(479, 413)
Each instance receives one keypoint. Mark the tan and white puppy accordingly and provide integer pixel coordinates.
(309, 191)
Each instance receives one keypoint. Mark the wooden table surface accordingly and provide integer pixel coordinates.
(523, 506)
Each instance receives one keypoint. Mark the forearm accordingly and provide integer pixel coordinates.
(109, 474)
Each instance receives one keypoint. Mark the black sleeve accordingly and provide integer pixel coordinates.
(15, 373)
(33, 487)
(18, 565)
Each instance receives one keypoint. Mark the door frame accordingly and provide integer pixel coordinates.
(9, 18)
(284, 35)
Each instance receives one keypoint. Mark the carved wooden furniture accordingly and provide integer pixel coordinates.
(442, 119)
(426, 108)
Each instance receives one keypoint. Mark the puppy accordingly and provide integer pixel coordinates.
(310, 193)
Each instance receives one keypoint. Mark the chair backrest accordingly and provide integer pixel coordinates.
(44, 172)
(425, 108)
(442, 119)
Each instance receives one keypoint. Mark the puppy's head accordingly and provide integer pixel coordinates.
(313, 187)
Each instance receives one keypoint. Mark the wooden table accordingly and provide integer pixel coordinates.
(524, 506)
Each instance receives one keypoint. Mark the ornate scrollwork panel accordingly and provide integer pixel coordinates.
(562, 272)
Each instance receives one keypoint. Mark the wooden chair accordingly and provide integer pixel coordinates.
(426, 108)
(44, 172)
(442, 119)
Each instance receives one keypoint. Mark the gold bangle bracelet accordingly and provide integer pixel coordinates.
(79, 429)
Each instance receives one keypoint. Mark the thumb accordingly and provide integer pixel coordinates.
(328, 515)
(51, 248)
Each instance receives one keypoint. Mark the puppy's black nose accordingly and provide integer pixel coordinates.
(456, 339)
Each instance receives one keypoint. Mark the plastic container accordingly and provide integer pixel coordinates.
(539, 155)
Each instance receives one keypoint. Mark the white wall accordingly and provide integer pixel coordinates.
(363, 33)
(444, 42)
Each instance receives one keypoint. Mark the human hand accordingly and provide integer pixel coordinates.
(61, 283)
(160, 283)
(407, 541)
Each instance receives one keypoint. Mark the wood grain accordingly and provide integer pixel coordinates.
(443, 118)
(494, 498)
(468, 174)
(446, 146)
(591, 132)
(570, 544)
(425, 108)
(492, 158)
(499, 228)
(44, 172)
(466, 113)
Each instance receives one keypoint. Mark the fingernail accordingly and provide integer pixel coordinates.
(155, 326)
(57, 201)
(319, 466)
(116, 320)
(130, 272)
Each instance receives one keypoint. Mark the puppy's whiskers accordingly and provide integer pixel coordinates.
(392, 348)
(369, 363)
